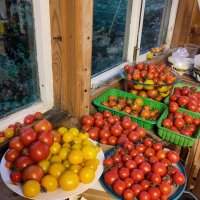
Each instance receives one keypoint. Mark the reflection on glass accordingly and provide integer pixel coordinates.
(108, 33)
(18, 65)
(153, 16)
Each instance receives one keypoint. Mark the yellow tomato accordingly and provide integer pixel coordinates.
(49, 182)
(164, 94)
(54, 148)
(75, 131)
(56, 169)
(83, 135)
(77, 140)
(75, 168)
(76, 146)
(31, 188)
(62, 130)
(63, 153)
(149, 82)
(138, 87)
(75, 157)
(68, 137)
(87, 143)
(163, 89)
(89, 152)
(86, 175)
(2, 140)
(68, 180)
(44, 164)
(93, 164)
(149, 56)
(66, 145)
(97, 148)
(55, 159)
(138, 101)
(8, 132)
(66, 163)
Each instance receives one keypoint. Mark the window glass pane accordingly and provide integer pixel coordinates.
(155, 24)
(18, 66)
(108, 33)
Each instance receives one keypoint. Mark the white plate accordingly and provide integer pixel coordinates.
(57, 194)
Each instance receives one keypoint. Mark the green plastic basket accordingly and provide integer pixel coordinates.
(174, 137)
(147, 124)
(181, 85)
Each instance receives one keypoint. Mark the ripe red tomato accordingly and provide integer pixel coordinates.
(11, 155)
(128, 194)
(119, 186)
(154, 193)
(134, 153)
(174, 97)
(139, 159)
(98, 115)
(159, 168)
(179, 178)
(178, 115)
(87, 120)
(165, 188)
(173, 156)
(173, 107)
(117, 158)
(136, 188)
(145, 167)
(38, 151)
(192, 106)
(144, 195)
(196, 121)
(46, 137)
(134, 125)
(16, 176)
(179, 123)
(167, 123)
(141, 148)
(173, 128)
(99, 122)
(56, 136)
(148, 142)
(155, 178)
(121, 139)
(112, 140)
(116, 130)
(153, 159)
(157, 146)
(110, 177)
(22, 161)
(161, 154)
(32, 172)
(104, 141)
(172, 170)
(141, 131)
(145, 184)
(111, 120)
(15, 143)
(183, 101)
(104, 133)
(12, 126)
(126, 157)
(126, 124)
(134, 136)
(192, 128)
(27, 136)
(128, 145)
(42, 125)
(107, 113)
(128, 181)
(124, 172)
(130, 164)
(108, 162)
(38, 115)
(29, 119)
(137, 175)
(93, 134)
(166, 162)
(149, 152)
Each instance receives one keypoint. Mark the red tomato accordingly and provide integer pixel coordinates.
(134, 153)
(128, 194)
(121, 139)
(141, 131)
(126, 157)
(192, 106)
(110, 177)
(107, 113)
(139, 159)
(104, 141)
(167, 123)
(87, 120)
(15, 143)
(27, 136)
(134, 125)
(104, 133)
(29, 119)
(128, 145)
(126, 124)
(116, 130)
(144, 196)
(179, 178)
(137, 175)
(43, 125)
(98, 115)
(108, 162)
(141, 148)
(124, 173)
(153, 159)
(174, 97)
(112, 140)
(157, 146)
(117, 158)
(173, 156)
(161, 154)
(178, 115)
(99, 122)
(22, 161)
(149, 152)
(166, 162)
(154, 193)
(32, 172)
(165, 188)
(155, 178)
(192, 128)
(46, 137)
(39, 151)
(130, 164)
(145, 184)
(172, 170)
(136, 188)
(173, 128)
(183, 101)
(38, 115)
(93, 134)
(159, 168)
(145, 167)
(128, 181)
(119, 186)
(16, 176)
(179, 123)
(185, 90)
(163, 197)
(11, 155)
(148, 142)
(12, 126)
(173, 107)
(134, 136)
(111, 120)
(196, 121)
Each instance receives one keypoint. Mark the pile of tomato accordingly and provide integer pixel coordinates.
(134, 107)
(111, 129)
(14, 128)
(187, 97)
(144, 171)
(43, 158)
(149, 75)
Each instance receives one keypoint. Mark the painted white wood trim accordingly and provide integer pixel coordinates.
(44, 59)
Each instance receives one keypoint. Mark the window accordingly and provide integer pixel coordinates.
(136, 26)
(25, 59)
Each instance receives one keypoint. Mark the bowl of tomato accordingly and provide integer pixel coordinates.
(150, 80)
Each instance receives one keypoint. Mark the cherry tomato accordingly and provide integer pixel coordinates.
(145, 184)
(153, 159)
(107, 113)
(16, 176)
(117, 158)
(179, 123)
(128, 145)
(122, 139)
(179, 178)
(124, 172)
(149, 152)
(137, 175)
(159, 168)
(112, 140)
(165, 188)
(161, 154)
(108, 162)
(145, 167)
(98, 115)
(154, 193)
(99, 122)
(22, 161)
(29, 119)
(134, 136)
(141, 131)
(38, 115)
(136, 188)
(15, 143)
(42, 125)
(119, 186)
(110, 177)
(134, 153)
(141, 148)
(144, 195)
(93, 134)
(157, 146)
(128, 194)
(155, 178)
(11, 155)
(27, 136)
(139, 159)
(173, 107)
(148, 142)
(115, 130)
(128, 181)
(46, 137)
(87, 120)
(173, 156)
(167, 123)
